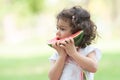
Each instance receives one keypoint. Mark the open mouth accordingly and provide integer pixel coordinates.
(58, 38)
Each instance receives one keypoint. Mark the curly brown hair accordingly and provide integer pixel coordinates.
(79, 19)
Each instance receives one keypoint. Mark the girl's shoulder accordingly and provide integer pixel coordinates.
(85, 51)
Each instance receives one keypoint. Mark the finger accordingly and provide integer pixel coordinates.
(54, 45)
(71, 40)
(57, 43)
(63, 43)
(62, 46)
(66, 41)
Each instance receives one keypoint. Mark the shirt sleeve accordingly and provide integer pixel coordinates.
(54, 57)
(89, 49)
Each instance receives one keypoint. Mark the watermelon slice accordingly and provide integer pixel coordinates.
(77, 38)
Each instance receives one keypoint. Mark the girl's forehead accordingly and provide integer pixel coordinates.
(63, 22)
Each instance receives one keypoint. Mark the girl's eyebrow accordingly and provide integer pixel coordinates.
(61, 26)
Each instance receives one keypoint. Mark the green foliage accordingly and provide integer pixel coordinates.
(15, 69)
(34, 68)
(109, 67)
(36, 5)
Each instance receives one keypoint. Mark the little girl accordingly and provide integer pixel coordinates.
(74, 62)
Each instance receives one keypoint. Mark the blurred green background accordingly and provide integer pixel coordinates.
(26, 25)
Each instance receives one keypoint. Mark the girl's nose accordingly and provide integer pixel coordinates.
(58, 33)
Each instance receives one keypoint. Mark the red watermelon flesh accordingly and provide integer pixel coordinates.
(77, 38)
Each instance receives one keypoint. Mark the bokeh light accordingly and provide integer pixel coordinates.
(26, 25)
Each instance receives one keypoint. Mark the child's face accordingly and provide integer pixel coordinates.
(63, 29)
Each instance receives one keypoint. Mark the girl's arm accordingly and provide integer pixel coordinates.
(88, 63)
(58, 65)
(57, 68)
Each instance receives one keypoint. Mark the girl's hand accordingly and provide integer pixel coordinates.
(69, 46)
(59, 49)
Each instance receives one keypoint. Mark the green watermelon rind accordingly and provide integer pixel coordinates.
(78, 39)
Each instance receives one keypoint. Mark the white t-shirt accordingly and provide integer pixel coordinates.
(71, 70)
